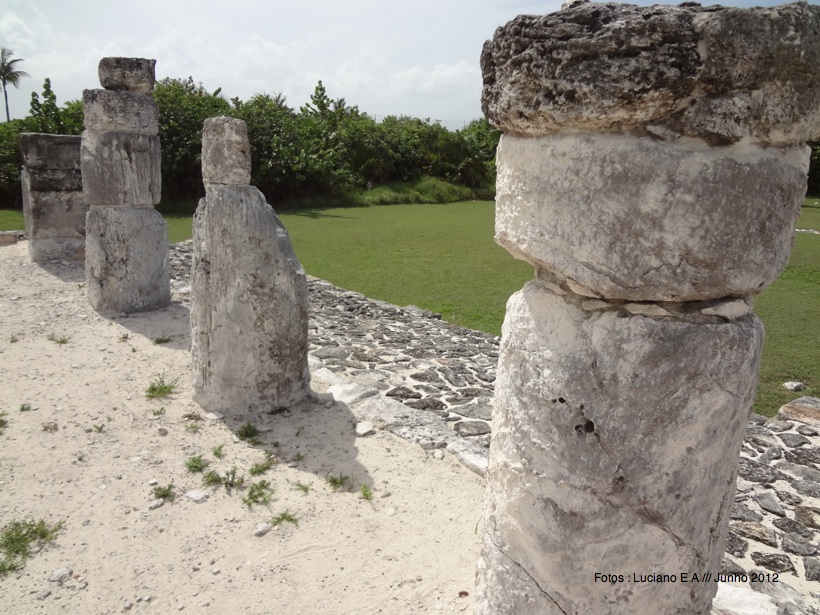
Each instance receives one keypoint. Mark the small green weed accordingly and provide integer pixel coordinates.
(17, 538)
(13, 339)
(161, 340)
(196, 464)
(63, 339)
(50, 427)
(232, 480)
(211, 479)
(80, 456)
(336, 482)
(284, 517)
(299, 431)
(192, 427)
(165, 493)
(218, 451)
(259, 493)
(4, 422)
(304, 488)
(25, 407)
(367, 492)
(123, 337)
(158, 411)
(160, 387)
(298, 457)
(260, 468)
(247, 431)
(99, 428)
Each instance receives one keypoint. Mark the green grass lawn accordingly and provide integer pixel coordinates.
(443, 258)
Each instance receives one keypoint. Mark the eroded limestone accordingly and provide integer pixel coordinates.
(644, 220)
(127, 260)
(127, 74)
(249, 319)
(121, 168)
(226, 153)
(53, 205)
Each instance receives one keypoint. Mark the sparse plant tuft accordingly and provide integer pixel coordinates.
(123, 337)
(247, 431)
(165, 493)
(13, 339)
(164, 339)
(4, 422)
(367, 492)
(284, 517)
(160, 387)
(218, 451)
(336, 482)
(192, 427)
(17, 538)
(158, 411)
(211, 479)
(259, 493)
(231, 480)
(63, 339)
(25, 407)
(50, 427)
(260, 468)
(99, 428)
(196, 464)
(304, 488)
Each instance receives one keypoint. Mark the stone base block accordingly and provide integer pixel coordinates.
(121, 169)
(645, 220)
(614, 452)
(56, 249)
(126, 265)
(128, 111)
(249, 318)
(46, 151)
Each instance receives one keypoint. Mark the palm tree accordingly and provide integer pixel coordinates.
(8, 74)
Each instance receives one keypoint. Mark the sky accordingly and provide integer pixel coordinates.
(417, 57)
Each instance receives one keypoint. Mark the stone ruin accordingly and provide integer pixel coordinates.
(249, 303)
(53, 205)
(127, 239)
(652, 169)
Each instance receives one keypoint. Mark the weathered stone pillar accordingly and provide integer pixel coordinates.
(249, 314)
(652, 169)
(53, 203)
(127, 239)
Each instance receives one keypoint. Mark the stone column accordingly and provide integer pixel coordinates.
(652, 168)
(53, 203)
(127, 239)
(249, 314)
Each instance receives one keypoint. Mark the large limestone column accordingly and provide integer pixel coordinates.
(652, 168)
(53, 203)
(127, 239)
(249, 312)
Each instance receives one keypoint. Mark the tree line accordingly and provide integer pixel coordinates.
(326, 149)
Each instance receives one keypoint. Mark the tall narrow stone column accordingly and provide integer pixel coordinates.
(652, 168)
(127, 239)
(53, 203)
(249, 307)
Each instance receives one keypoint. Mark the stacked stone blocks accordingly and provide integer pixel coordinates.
(249, 314)
(652, 168)
(127, 252)
(53, 203)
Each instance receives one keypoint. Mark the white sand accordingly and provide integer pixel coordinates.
(411, 549)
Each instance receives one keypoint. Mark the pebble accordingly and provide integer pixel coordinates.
(197, 495)
(262, 529)
(156, 504)
(364, 428)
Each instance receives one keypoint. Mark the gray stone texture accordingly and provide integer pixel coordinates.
(644, 220)
(105, 110)
(53, 205)
(719, 74)
(127, 260)
(127, 74)
(226, 153)
(603, 459)
(121, 169)
(249, 315)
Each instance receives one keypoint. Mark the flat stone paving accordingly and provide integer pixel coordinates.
(411, 356)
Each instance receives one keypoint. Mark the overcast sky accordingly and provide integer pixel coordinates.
(415, 57)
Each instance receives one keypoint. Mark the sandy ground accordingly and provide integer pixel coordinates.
(412, 548)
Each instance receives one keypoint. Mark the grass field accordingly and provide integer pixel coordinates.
(443, 258)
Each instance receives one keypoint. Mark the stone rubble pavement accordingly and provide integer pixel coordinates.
(397, 364)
